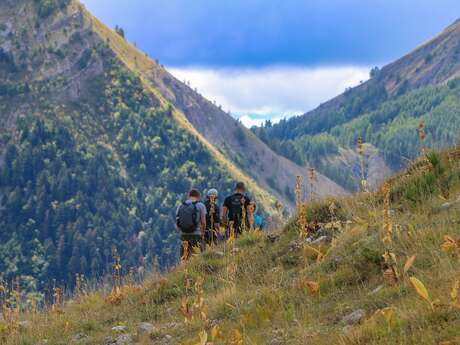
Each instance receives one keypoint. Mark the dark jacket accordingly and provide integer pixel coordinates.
(234, 205)
(212, 218)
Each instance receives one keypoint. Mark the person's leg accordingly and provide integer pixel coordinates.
(181, 249)
(214, 236)
(196, 243)
(203, 244)
(238, 229)
(208, 237)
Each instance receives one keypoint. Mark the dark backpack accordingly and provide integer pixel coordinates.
(187, 217)
(235, 211)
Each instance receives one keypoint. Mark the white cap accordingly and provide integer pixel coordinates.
(212, 191)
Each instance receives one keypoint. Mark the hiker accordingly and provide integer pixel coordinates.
(191, 223)
(212, 217)
(259, 222)
(256, 219)
(235, 213)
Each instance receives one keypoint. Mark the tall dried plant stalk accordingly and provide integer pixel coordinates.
(301, 218)
(212, 213)
(312, 179)
(57, 300)
(422, 137)
(243, 215)
(387, 221)
(298, 192)
(360, 149)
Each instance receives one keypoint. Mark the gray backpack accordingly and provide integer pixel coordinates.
(187, 217)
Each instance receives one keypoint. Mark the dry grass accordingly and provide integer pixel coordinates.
(273, 293)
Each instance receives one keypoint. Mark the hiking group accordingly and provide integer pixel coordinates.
(201, 224)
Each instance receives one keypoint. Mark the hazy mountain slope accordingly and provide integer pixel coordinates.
(399, 93)
(357, 284)
(271, 171)
(433, 62)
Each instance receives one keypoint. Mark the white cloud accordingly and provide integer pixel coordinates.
(255, 94)
(251, 120)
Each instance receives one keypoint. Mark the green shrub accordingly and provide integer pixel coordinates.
(240, 136)
(438, 179)
(319, 212)
(48, 7)
(85, 58)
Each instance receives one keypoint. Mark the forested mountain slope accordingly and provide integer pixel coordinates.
(93, 162)
(385, 111)
(95, 151)
(271, 171)
(99, 143)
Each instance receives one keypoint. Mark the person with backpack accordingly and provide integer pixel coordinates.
(236, 212)
(259, 222)
(191, 223)
(212, 217)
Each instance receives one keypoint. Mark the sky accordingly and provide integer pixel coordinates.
(265, 59)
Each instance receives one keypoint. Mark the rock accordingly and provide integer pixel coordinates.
(80, 338)
(273, 237)
(109, 341)
(294, 245)
(321, 240)
(448, 205)
(276, 341)
(25, 324)
(168, 338)
(171, 325)
(125, 339)
(445, 206)
(215, 254)
(145, 328)
(337, 260)
(377, 289)
(355, 317)
(212, 322)
(119, 329)
(347, 329)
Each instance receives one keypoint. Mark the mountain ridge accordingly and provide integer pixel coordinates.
(390, 98)
(217, 123)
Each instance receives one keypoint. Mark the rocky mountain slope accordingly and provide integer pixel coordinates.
(271, 171)
(377, 268)
(400, 95)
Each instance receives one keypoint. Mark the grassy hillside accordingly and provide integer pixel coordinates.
(384, 111)
(377, 268)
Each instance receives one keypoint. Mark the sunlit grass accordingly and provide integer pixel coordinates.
(278, 292)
